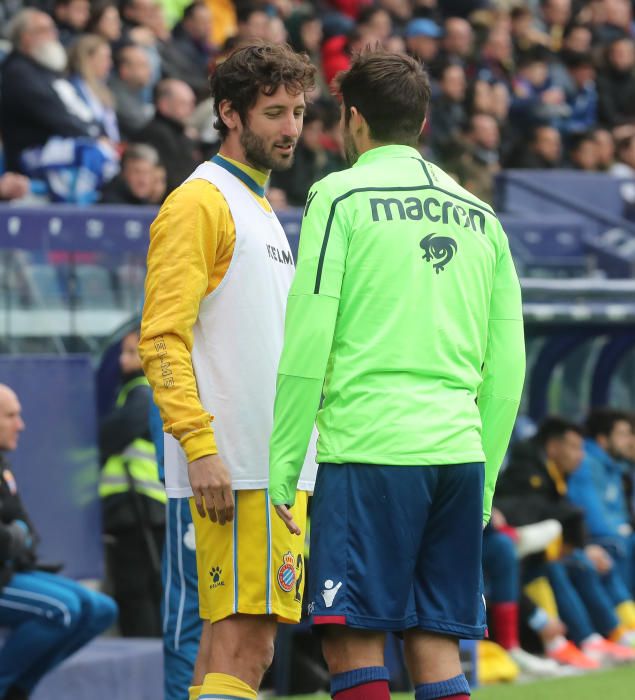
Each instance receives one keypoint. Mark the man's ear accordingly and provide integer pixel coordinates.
(229, 116)
(355, 118)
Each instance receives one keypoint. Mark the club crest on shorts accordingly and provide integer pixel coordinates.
(286, 573)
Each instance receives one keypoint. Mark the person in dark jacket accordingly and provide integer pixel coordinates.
(133, 500)
(174, 104)
(37, 101)
(49, 616)
(191, 37)
(136, 183)
(71, 17)
(533, 486)
(616, 83)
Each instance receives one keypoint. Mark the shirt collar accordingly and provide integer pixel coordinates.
(390, 151)
(254, 179)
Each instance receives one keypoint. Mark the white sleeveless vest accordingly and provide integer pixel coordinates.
(238, 339)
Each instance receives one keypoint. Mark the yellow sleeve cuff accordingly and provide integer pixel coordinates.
(199, 443)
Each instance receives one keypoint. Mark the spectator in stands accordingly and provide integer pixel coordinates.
(553, 17)
(136, 183)
(605, 148)
(305, 35)
(577, 38)
(191, 37)
(583, 152)
(598, 489)
(174, 104)
(90, 63)
(625, 151)
(617, 21)
(458, 40)
(375, 21)
(581, 94)
(133, 500)
(105, 21)
(476, 166)
(544, 151)
(49, 617)
(37, 102)
(400, 11)
(277, 32)
(144, 24)
(8, 10)
(448, 117)
(616, 83)
(253, 23)
(71, 17)
(129, 85)
(536, 98)
(422, 39)
(496, 59)
(13, 186)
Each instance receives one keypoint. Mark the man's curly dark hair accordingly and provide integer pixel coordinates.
(254, 69)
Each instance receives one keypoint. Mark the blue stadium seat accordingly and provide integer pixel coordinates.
(94, 287)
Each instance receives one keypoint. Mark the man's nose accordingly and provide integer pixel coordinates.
(291, 127)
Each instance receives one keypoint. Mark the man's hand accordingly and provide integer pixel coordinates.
(599, 558)
(211, 485)
(285, 515)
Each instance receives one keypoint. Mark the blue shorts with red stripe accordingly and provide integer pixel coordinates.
(395, 548)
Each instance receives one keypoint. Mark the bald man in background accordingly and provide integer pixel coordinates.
(49, 616)
(174, 104)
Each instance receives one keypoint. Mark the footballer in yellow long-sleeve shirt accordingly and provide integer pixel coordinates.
(219, 271)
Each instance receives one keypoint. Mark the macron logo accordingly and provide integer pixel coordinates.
(330, 591)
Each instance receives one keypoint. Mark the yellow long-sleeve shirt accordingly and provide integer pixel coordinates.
(191, 246)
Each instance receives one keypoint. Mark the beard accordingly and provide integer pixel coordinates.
(51, 55)
(350, 149)
(262, 156)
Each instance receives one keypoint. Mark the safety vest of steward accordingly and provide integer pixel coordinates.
(139, 456)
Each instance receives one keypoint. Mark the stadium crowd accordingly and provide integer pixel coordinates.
(539, 84)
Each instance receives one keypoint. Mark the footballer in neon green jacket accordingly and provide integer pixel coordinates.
(404, 330)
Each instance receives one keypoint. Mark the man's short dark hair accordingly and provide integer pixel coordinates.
(119, 57)
(244, 12)
(260, 67)
(391, 91)
(601, 421)
(555, 428)
(578, 140)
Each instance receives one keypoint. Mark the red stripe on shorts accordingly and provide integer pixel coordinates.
(329, 619)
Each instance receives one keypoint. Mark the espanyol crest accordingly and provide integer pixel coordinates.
(286, 573)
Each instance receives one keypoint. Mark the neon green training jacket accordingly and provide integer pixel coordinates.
(405, 314)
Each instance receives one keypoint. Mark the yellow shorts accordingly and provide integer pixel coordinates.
(252, 565)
